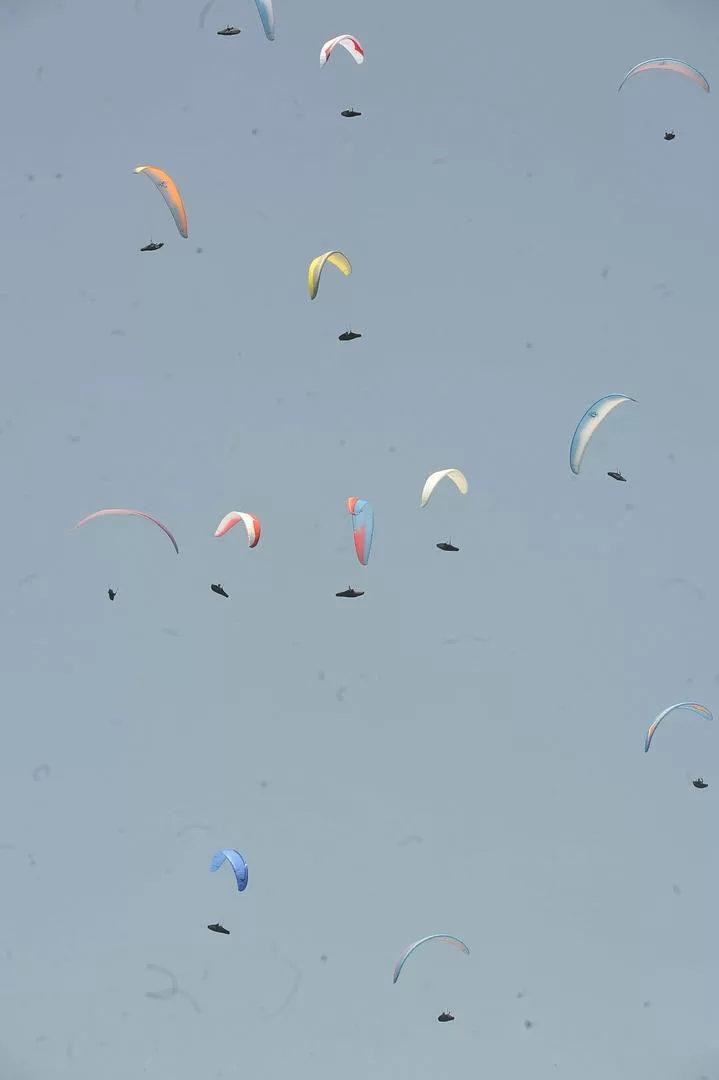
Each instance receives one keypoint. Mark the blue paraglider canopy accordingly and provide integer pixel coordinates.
(237, 863)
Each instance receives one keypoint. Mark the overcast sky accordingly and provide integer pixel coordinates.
(461, 750)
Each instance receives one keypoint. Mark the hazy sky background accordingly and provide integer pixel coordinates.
(461, 750)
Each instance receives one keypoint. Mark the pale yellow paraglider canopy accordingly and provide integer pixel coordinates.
(316, 266)
(431, 482)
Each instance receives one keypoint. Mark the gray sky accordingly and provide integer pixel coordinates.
(461, 751)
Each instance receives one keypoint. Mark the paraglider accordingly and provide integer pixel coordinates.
(132, 513)
(349, 335)
(251, 523)
(445, 546)
(444, 1017)
(617, 476)
(588, 424)
(229, 31)
(219, 590)
(350, 592)
(112, 593)
(217, 927)
(692, 705)
(236, 861)
(362, 527)
(699, 783)
(317, 265)
(431, 937)
(669, 135)
(348, 42)
(353, 47)
(458, 479)
(168, 189)
(152, 246)
(668, 63)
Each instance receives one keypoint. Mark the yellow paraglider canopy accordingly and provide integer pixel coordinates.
(316, 266)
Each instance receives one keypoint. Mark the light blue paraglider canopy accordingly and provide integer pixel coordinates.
(363, 528)
(237, 863)
(267, 15)
(589, 424)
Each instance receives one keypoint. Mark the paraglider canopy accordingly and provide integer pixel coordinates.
(692, 705)
(415, 945)
(169, 191)
(458, 479)
(588, 424)
(236, 861)
(251, 523)
(317, 266)
(131, 513)
(267, 16)
(362, 527)
(668, 63)
(348, 42)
